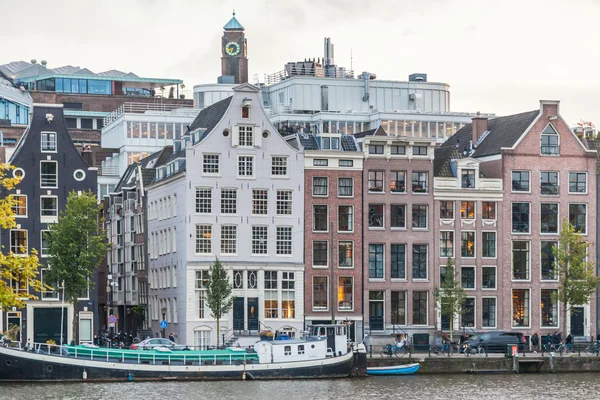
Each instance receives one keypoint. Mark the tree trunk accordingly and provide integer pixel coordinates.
(218, 332)
(564, 319)
(451, 327)
(75, 336)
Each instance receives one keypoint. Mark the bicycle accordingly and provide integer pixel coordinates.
(558, 348)
(444, 349)
(395, 349)
(593, 349)
(469, 350)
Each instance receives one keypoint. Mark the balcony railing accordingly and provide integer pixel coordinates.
(308, 69)
(108, 171)
(142, 108)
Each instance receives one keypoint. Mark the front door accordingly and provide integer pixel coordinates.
(46, 324)
(253, 314)
(238, 313)
(376, 315)
(577, 328)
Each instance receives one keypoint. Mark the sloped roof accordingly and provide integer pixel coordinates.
(443, 157)
(360, 135)
(233, 24)
(594, 144)
(349, 143)
(309, 142)
(210, 116)
(10, 92)
(148, 173)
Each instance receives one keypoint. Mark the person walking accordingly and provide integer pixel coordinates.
(172, 337)
(535, 341)
(569, 343)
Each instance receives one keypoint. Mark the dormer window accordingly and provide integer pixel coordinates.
(335, 143)
(549, 141)
(325, 143)
(467, 178)
(246, 136)
(49, 141)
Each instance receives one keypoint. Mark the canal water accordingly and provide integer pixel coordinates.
(429, 387)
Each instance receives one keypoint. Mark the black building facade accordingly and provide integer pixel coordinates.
(51, 167)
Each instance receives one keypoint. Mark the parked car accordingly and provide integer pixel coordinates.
(154, 343)
(496, 341)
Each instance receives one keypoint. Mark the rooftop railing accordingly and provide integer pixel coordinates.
(142, 108)
(299, 69)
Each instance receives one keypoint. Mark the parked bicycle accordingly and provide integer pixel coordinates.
(557, 348)
(469, 350)
(395, 349)
(444, 349)
(593, 349)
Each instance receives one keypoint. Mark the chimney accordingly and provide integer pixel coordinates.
(478, 126)
(88, 155)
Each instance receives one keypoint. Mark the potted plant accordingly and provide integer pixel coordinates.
(266, 335)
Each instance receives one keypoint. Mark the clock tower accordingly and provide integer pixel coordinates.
(234, 54)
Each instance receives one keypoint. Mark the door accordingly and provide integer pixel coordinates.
(253, 314)
(577, 328)
(445, 322)
(376, 315)
(238, 313)
(46, 325)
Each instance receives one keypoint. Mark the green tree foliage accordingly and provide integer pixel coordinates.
(19, 268)
(218, 293)
(450, 295)
(577, 276)
(76, 247)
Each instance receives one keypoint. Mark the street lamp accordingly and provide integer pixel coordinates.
(164, 314)
(110, 288)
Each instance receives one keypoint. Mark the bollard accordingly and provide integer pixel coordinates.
(430, 351)
(371, 351)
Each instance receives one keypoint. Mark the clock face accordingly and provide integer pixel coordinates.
(232, 48)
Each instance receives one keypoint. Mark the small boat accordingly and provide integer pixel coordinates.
(402, 369)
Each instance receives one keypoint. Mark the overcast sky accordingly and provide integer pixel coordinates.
(500, 56)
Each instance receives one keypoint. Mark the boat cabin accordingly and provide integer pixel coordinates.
(336, 335)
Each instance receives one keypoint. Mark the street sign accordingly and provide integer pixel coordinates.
(164, 324)
(112, 320)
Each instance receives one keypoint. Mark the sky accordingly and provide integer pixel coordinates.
(500, 57)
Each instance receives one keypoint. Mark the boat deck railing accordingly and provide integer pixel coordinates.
(177, 357)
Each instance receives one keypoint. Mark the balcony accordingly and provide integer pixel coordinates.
(146, 108)
(108, 171)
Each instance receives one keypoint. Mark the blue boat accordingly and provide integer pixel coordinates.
(403, 369)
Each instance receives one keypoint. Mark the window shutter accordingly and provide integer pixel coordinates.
(235, 136)
(257, 136)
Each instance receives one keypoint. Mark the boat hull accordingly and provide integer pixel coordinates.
(17, 365)
(403, 369)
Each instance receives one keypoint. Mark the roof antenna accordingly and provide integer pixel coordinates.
(351, 60)
(234, 12)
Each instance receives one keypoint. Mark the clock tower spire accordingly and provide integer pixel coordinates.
(234, 54)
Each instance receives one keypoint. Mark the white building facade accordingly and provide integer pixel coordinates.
(239, 189)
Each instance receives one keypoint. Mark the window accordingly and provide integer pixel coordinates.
(345, 253)
(520, 181)
(345, 187)
(468, 312)
(467, 210)
(288, 295)
(246, 136)
(271, 303)
(419, 267)
(284, 240)
(317, 162)
(548, 261)
(49, 208)
(18, 241)
(376, 310)
(49, 174)
(345, 293)
(577, 182)
(520, 308)
(279, 166)
(549, 183)
(246, 166)
(345, 218)
(319, 186)
(376, 261)
(549, 307)
(420, 150)
(203, 239)
(320, 293)
(252, 279)
(488, 312)
(260, 201)
(228, 201)
(398, 150)
(520, 260)
(45, 234)
(375, 148)
(375, 181)
(47, 294)
(420, 182)
(228, 239)
(467, 178)
(210, 163)
(488, 244)
(398, 181)
(447, 209)
(320, 218)
(398, 215)
(419, 308)
(398, 264)
(20, 208)
(467, 277)
(375, 215)
(488, 210)
(398, 308)
(549, 218)
(203, 200)
(325, 143)
(467, 244)
(284, 202)
(520, 217)
(346, 163)
(259, 239)
(271, 280)
(446, 244)
(320, 253)
(577, 217)
(488, 277)
(238, 279)
(49, 141)
(549, 141)
(246, 112)
(419, 216)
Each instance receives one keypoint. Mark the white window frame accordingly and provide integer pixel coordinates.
(281, 242)
(495, 276)
(285, 202)
(45, 219)
(42, 162)
(352, 259)
(586, 182)
(259, 202)
(512, 190)
(200, 198)
(495, 313)
(512, 264)
(326, 308)
(42, 141)
(231, 201)
(351, 186)
(231, 237)
(26, 204)
(199, 240)
(18, 252)
(512, 311)
(495, 245)
(474, 244)
(211, 164)
(280, 164)
(474, 276)
(247, 160)
(43, 254)
(338, 300)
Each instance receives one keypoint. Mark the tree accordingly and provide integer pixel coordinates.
(450, 295)
(76, 247)
(576, 275)
(19, 268)
(218, 293)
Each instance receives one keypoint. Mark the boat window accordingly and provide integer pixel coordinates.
(287, 350)
(300, 349)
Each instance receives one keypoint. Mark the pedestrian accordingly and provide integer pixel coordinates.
(559, 339)
(172, 337)
(535, 341)
(569, 343)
